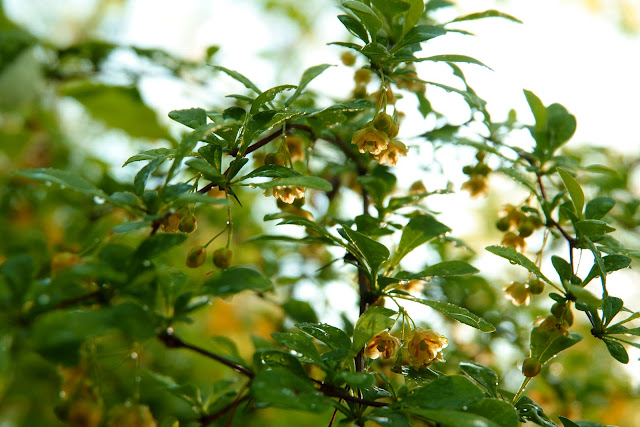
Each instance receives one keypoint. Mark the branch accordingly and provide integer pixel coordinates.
(205, 420)
(328, 390)
(172, 341)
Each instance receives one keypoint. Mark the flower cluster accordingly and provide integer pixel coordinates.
(377, 139)
(423, 347)
(518, 224)
(476, 185)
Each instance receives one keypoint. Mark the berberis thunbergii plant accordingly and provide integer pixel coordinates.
(152, 254)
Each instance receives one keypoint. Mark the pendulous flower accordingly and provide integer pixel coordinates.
(370, 140)
(383, 345)
(518, 293)
(392, 153)
(287, 193)
(425, 347)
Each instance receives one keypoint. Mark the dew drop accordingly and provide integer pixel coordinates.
(146, 263)
(98, 200)
(134, 355)
(47, 183)
(169, 330)
(43, 299)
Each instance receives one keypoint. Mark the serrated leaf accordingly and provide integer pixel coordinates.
(308, 75)
(455, 312)
(515, 257)
(485, 376)
(268, 96)
(314, 182)
(546, 344)
(65, 179)
(330, 335)
(419, 230)
(233, 280)
(239, 77)
(491, 13)
(192, 117)
(374, 253)
(447, 268)
(373, 321)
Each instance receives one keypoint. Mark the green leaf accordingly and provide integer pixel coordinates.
(492, 13)
(299, 342)
(577, 196)
(280, 388)
(330, 335)
(560, 124)
(562, 267)
(270, 171)
(419, 230)
(239, 77)
(450, 418)
(192, 117)
(447, 392)
(545, 344)
(355, 27)
(119, 107)
(386, 417)
(314, 182)
(597, 208)
(268, 96)
(141, 178)
(593, 228)
(65, 179)
(207, 171)
(18, 272)
(567, 422)
(501, 412)
(156, 245)
(537, 108)
(453, 58)
(374, 253)
(616, 350)
(356, 380)
(275, 358)
(485, 376)
(515, 257)
(308, 75)
(418, 34)
(470, 97)
(300, 311)
(599, 264)
(189, 198)
(125, 200)
(611, 306)
(378, 184)
(233, 280)
(150, 155)
(376, 52)
(447, 268)
(366, 15)
(373, 321)
(212, 154)
(455, 312)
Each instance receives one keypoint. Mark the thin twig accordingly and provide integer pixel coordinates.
(75, 300)
(172, 341)
(205, 420)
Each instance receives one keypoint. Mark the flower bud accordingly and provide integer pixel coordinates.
(188, 224)
(362, 76)
(531, 367)
(274, 159)
(171, 223)
(526, 228)
(196, 257)
(517, 293)
(536, 286)
(348, 59)
(222, 258)
(503, 224)
(383, 122)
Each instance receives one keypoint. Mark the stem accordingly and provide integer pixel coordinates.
(205, 420)
(81, 298)
(172, 341)
(519, 393)
(335, 392)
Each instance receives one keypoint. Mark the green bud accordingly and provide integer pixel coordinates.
(536, 286)
(503, 224)
(196, 257)
(531, 367)
(222, 258)
(274, 159)
(383, 122)
(526, 228)
(188, 224)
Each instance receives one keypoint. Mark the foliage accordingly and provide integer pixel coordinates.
(95, 266)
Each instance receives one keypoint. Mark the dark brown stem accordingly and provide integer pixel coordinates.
(259, 144)
(205, 420)
(551, 222)
(81, 298)
(336, 392)
(172, 341)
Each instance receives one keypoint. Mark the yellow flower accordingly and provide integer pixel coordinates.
(390, 156)
(413, 287)
(476, 186)
(425, 346)
(382, 345)
(370, 140)
(515, 241)
(296, 148)
(518, 293)
(286, 193)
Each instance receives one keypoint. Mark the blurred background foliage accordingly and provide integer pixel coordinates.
(74, 97)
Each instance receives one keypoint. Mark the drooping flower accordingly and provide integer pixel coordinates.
(286, 193)
(392, 153)
(425, 347)
(476, 186)
(515, 241)
(383, 345)
(518, 293)
(296, 147)
(370, 140)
